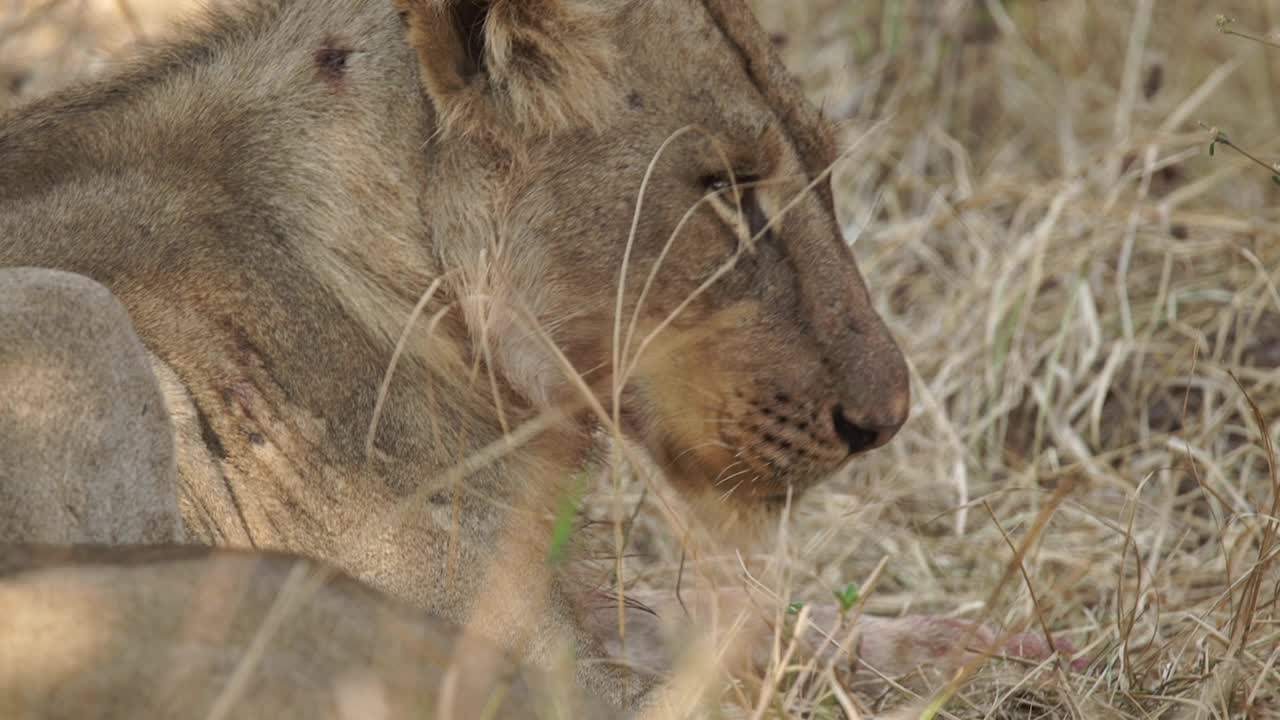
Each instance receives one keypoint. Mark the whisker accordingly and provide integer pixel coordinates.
(737, 474)
(727, 494)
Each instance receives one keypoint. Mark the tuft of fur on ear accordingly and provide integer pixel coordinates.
(534, 66)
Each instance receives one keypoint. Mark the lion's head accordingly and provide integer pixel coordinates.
(657, 146)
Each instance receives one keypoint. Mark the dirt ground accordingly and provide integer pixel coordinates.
(1090, 302)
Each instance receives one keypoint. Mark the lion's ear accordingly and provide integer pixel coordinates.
(449, 38)
(543, 65)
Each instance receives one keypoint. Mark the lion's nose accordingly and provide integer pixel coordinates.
(860, 436)
(871, 415)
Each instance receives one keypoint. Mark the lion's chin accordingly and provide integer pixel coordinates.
(742, 517)
(736, 524)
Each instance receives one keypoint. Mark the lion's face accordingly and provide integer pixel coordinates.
(746, 357)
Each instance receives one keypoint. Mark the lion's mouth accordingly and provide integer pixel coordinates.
(733, 468)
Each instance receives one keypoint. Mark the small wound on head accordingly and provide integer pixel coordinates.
(332, 62)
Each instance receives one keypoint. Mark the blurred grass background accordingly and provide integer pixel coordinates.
(1089, 302)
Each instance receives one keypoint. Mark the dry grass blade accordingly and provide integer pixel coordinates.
(1246, 615)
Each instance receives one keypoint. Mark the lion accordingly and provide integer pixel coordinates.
(394, 268)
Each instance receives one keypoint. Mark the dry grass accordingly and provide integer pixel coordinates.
(1089, 303)
(1075, 283)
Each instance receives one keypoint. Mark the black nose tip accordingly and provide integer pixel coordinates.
(857, 438)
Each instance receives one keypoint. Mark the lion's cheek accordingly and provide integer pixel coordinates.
(688, 451)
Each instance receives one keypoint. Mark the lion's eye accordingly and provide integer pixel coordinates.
(737, 202)
(716, 184)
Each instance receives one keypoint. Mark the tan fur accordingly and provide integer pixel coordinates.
(159, 633)
(271, 197)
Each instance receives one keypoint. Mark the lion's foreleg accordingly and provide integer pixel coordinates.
(86, 447)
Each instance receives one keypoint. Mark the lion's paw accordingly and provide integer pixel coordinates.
(894, 646)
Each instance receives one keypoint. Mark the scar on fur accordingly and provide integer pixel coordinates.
(331, 61)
